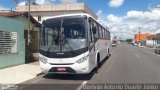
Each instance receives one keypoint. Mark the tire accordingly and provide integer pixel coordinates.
(156, 51)
(98, 63)
(98, 60)
(108, 54)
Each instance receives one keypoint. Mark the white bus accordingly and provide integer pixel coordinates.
(72, 44)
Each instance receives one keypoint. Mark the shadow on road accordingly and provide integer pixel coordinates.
(69, 76)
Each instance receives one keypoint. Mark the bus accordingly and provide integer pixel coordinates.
(72, 44)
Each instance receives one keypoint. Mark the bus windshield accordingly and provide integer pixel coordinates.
(63, 34)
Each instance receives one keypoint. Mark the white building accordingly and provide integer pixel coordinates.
(152, 41)
(41, 12)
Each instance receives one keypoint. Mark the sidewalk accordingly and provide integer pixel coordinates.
(20, 73)
(149, 49)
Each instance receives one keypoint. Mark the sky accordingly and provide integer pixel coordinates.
(123, 17)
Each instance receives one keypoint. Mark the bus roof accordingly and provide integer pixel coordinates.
(67, 15)
(78, 14)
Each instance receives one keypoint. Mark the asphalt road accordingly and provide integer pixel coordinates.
(127, 65)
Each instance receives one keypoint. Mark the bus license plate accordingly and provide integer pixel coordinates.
(61, 69)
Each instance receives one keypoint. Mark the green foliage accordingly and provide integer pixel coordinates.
(129, 40)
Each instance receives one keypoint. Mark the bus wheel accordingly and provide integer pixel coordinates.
(108, 54)
(98, 62)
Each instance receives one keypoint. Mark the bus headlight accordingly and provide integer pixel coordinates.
(82, 60)
(43, 60)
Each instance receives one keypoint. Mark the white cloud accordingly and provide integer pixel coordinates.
(4, 8)
(99, 13)
(41, 1)
(115, 3)
(158, 6)
(113, 18)
(101, 17)
(144, 17)
(68, 1)
(48, 1)
(38, 2)
(22, 3)
(128, 25)
(149, 22)
(44, 1)
(158, 31)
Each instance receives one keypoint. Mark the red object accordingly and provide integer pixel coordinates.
(139, 37)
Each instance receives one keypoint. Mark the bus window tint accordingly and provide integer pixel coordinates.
(100, 32)
(60, 35)
(73, 29)
(74, 34)
(50, 35)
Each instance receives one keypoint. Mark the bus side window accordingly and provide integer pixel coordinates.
(91, 31)
(100, 32)
(103, 33)
(97, 31)
(108, 35)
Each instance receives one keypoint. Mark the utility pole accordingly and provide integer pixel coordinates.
(139, 36)
(153, 42)
(29, 1)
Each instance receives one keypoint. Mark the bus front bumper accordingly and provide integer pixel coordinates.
(65, 69)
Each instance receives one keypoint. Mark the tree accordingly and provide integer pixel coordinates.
(129, 40)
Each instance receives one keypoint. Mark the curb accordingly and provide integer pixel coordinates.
(148, 47)
(41, 73)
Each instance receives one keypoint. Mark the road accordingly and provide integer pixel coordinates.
(127, 64)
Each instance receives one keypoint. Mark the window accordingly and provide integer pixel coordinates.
(63, 35)
(100, 31)
(8, 42)
(108, 35)
(97, 31)
(91, 31)
(103, 32)
(39, 18)
(94, 30)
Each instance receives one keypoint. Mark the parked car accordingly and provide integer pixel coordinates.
(157, 50)
(134, 44)
(114, 43)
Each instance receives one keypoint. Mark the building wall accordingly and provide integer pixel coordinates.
(52, 7)
(141, 36)
(143, 42)
(157, 43)
(34, 36)
(33, 29)
(25, 21)
(11, 25)
(46, 15)
(150, 43)
(50, 10)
